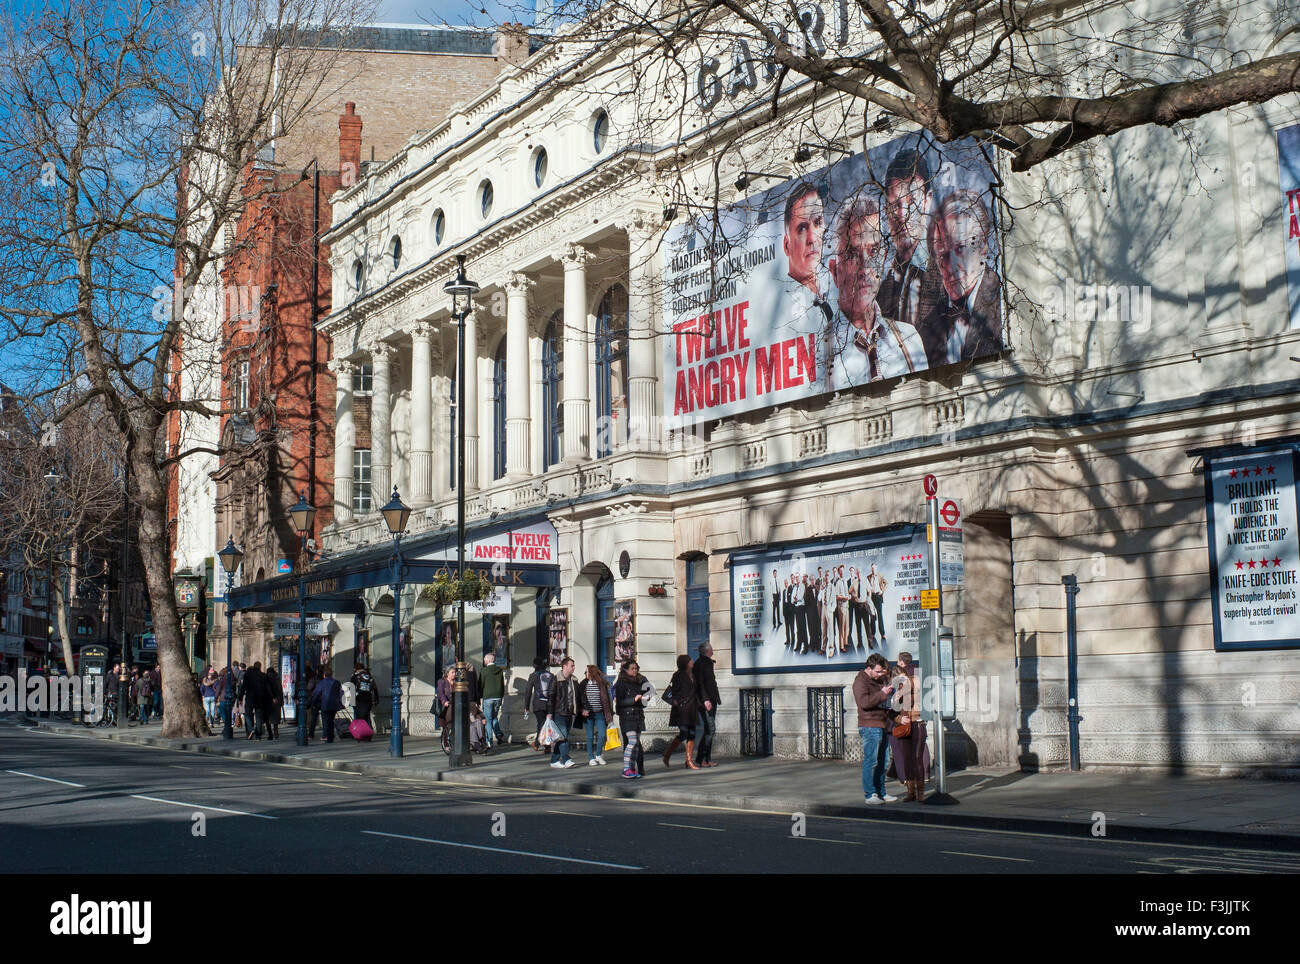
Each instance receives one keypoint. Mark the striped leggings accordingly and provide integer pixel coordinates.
(633, 755)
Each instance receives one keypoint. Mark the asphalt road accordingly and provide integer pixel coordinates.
(78, 805)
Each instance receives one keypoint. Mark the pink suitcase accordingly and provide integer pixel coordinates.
(360, 730)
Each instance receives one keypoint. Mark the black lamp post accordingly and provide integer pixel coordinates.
(52, 480)
(462, 292)
(396, 513)
(302, 514)
(230, 557)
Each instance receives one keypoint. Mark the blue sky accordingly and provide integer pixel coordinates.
(454, 11)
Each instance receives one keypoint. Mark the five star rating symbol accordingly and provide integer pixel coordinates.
(911, 558)
(1258, 470)
(1276, 561)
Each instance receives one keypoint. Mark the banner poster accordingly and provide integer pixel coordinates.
(496, 637)
(445, 657)
(826, 606)
(1254, 549)
(879, 265)
(289, 683)
(624, 631)
(557, 623)
(1288, 159)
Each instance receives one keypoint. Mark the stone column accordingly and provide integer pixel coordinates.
(381, 426)
(344, 438)
(421, 416)
(577, 401)
(518, 396)
(470, 415)
(642, 342)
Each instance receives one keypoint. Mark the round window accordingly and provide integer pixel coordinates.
(599, 130)
(358, 274)
(485, 198)
(438, 226)
(539, 166)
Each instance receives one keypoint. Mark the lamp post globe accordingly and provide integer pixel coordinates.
(462, 291)
(231, 556)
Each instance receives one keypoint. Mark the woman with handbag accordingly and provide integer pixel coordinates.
(681, 696)
(629, 698)
(593, 703)
(442, 696)
(907, 738)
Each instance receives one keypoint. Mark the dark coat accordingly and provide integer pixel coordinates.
(631, 715)
(706, 683)
(254, 689)
(984, 331)
(685, 703)
(328, 695)
(872, 701)
(532, 696)
(564, 697)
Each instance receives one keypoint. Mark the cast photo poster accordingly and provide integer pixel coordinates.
(819, 606)
(447, 645)
(877, 266)
(404, 651)
(497, 638)
(557, 623)
(624, 630)
(1254, 550)
(1288, 159)
(363, 647)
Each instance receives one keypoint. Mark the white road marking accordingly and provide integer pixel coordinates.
(851, 843)
(570, 813)
(959, 853)
(687, 826)
(203, 806)
(66, 783)
(502, 850)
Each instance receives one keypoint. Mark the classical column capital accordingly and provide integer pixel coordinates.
(341, 366)
(640, 227)
(422, 331)
(518, 283)
(575, 256)
(381, 351)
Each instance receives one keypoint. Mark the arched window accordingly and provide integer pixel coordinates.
(611, 370)
(552, 404)
(499, 411)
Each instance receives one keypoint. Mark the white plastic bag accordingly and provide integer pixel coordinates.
(550, 733)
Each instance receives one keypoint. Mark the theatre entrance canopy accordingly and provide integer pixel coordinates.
(513, 554)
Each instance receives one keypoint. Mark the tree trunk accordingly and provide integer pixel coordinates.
(61, 620)
(182, 707)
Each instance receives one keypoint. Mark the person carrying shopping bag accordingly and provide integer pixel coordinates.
(561, 708)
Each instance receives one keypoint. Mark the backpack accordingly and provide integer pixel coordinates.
(542, 689)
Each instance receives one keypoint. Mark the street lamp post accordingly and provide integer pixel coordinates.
(230, 557)
(124, 677)
(303, 513)
(396, 514)
(462, 291)
(52, 479)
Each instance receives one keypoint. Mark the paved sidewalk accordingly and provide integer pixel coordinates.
(1191, 810)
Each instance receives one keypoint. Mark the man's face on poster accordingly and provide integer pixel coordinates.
(907, 205)
(960, 249)
(803, 239)
(857, 265)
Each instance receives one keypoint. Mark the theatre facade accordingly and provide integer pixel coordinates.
(687, 426)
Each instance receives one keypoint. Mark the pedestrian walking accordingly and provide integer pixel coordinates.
(706, 692)
(907, 737)
(537, 696)
(208, 688)
(364, 684)
(442, 696)
(681, 696)
(255, 692)
(274, 704)
(871, 693)
(629, 699)
(561, 708)
(144, 696)
(329, 697)
(155, 678)
(309, 681)
(494, 693)
(597, 713)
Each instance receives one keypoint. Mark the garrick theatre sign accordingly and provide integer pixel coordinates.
(508, 554)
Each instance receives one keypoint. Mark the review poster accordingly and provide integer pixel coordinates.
(1254, 549)
(1288, 159)
(827, 605)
